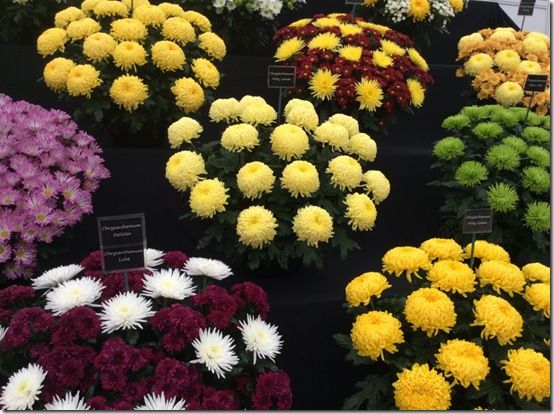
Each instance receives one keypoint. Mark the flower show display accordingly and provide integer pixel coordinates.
(131, 68)
(459, 338)
(48, 172)
(344, 64)
(278, 192)
(499, 60)
(77, 340)
(499, 158)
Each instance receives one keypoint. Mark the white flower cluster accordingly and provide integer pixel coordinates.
(268, 9)
(442, 8)
(397, 9)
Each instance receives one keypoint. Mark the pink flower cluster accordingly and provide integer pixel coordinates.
(48, 172)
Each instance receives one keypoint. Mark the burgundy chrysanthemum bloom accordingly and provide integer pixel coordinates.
(176, 379)
(272, 391)
(175, 259)
(93, 262)
(213, 399)
(179, 324)
(77, 323)
(97, 403)
(112, 363)
(122, 405)
(251, 297)
(136, 390)
(219, 306)
(24, 325)
(15, 293)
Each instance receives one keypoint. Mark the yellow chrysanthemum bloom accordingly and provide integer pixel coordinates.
(470, 40)
(538, 295)
(419, 9)
(129, 92)
(503, 36)
(536, 272)
(171, 10)
(179, 30)
(240, 137)
(498, 318)
(361, 289)
(150, 15)
(464, 361)
(256, 227)
(457, 5)
(289, 48)
(199, 20)
(82, 79)
(289, 141)
(532, 44)
(206, 72)
(208, 197)
(530, 67)
(477, 63)
(213, 45)
(360, 212)
(367, 25)
(89, 5)
(110, 8)
(430, 310)
(509, 93)
(346, 172)
(134, 3)
(128, 55)
(313, 225)
(323, 22)
(323, 84)
(51, 40)
(183, 130)
(406, 259)
(258, 114)
(452, 276)
(300, 178)
(391, 48)
(326, 41)
(128, 29)
(350, 29)
(529, 373)
(421, 388)
(99, 46)
(248, 100)
(303, 117)
(369, 3)
(351, 124)
(375, 332)
(66, 16)
(501, 276)
(255, 179)
(487, 251)
(539, 35)
(55, 73)
(80, 29)
(167, 56)
(183, 169)
(507, 60)
(381, 59)
(189, 95)
(369, 94)
(376, 184)
(225, 110)
(295, 103)
(443, 249)
(417, 93)
(300, 22)
(417, 59)
(335, 135)
(352, 53)
(363, 146)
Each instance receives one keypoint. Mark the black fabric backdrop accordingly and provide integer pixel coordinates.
(306, 303)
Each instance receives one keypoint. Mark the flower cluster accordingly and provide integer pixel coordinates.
(499, 158)
(152, 62)
(276, 193)
(470, 330)
(266, 9)
(346, 64)
(48, 172)
(89, 344)
(499, 61)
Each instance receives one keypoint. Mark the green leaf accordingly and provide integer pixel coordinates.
(343, 340)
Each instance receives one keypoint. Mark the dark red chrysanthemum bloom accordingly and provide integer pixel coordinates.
(212, 399)
(179, 324)
(114, 361)
(175, 259)
(219, 306)
(15, 293)
(77, 323)
(93, 262)
(97, 403)
(251, 298)
(176, 379)
(25, 324)
(136, 390)
(272, 391)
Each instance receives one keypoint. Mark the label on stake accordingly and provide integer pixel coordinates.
(477, 220)
(281, 76)
(535, 83)
(526, 8)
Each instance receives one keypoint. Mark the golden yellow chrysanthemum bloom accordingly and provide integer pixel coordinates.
(443, 249)
(199, 20)
(80, 29)
(530, 67)
(391, 48)
(213, 45)
(171, 10)
(208, 197)
(430, 310)
(99, 46)
(381, 59)
(363, 146)
(375, 332)
(470, 40)
(66, 16)
(313, 225)
(128, 55)
(110, 8)
(189, 95)
(498, 318)
(464, 361)
(503, 36)
(367, 25)
(303, 117)
(369, 3)
(452, 276)
(487, 251)
(529, 373)
(351, 124)
(129, 92)
(421, 388)
(89, 5)
(501, 276)
(240, 137)
(508, 93)
(82, 79)
(167, 56)
(352, 53)
(323, 22)
(206, 73)
(300, 22)
(51, 40)
(258, 114)
(361, 289)
(333, 134)
(179, 30)
(289, 48)
(300, 178)
(346, 172)
(376, 184)
(417, 59)
(183, 130)
(417, 93)
(128, 29)
(419, 9)
(457, 5)
(507, 60)
(536, 272)
(532, 44)
(369, 94)
(149, 14)
(134, 3)
(289, 141)
(360, 212)
(256, 226)
(255, 179)
(55, 73)
(225, 110)
(326, 41)
(538, 296)
(477, 63)
(323, 84)
(349, 29)
(406, 259)
(183, 169)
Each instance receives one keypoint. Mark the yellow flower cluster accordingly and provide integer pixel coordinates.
(529, 373)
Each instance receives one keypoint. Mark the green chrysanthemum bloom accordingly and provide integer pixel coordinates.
(536, 120)
(503, 157)
(520, 112)
(471, 173)
(474, 112)
(505, 117)
(537, 216)
(486, 130)
(536, 179)
(449, 148)
(536, 134)
(516, 143)
(546, 122)
(456, 122)
(539, 156)
(502, 197)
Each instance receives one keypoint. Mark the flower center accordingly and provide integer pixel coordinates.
(213, 351)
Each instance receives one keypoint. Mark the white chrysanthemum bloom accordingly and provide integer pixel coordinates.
(23, 388)
(215, 351)
(153, 258)
(168, 283)
(200, 266)
(261, 338)
(69, 402)
(72, 293)
(55, 276)
(153, 402)
(2, 332)
(125, 311)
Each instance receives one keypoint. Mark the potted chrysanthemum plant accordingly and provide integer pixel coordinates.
(456, 337)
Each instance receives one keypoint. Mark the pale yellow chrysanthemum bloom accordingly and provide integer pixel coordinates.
(363, 146)
(167, 56)
(184, 168)
(179, 30)
(300, 179)
(333, 134)
(345, 171)
(360, 212)
(289, 141)
(189, 95)
(256, 227)
(208, 197)
(377, 185)
(240, 137)
(82, 79)
(313, 225)
(51, 41)
(183, 130)
(129, 92)
(254, 179)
